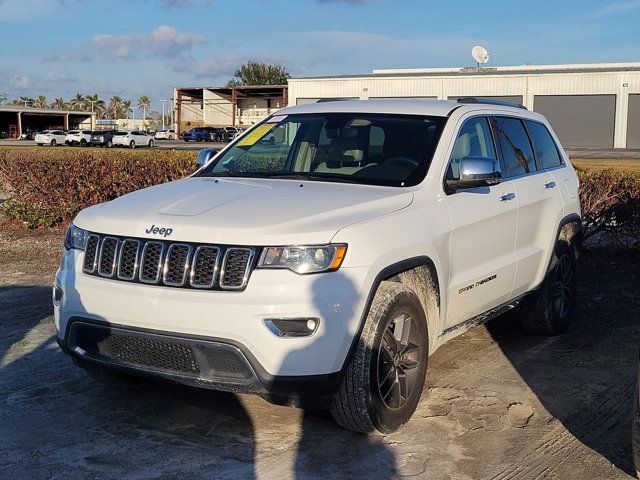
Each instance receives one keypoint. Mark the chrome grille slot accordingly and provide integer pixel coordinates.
(151, 262)
(235, 268)
(166, 263)
(108, 256)
(176, 265)
(128, 259)
(91, 254)
(204, 267)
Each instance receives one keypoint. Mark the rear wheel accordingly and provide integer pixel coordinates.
(53, 142)
(548, 311)
(384, 380)
(40, 144)
(83, 143)
(151, 143)
(109, 144)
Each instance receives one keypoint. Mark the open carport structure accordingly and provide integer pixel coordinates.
(16, 120)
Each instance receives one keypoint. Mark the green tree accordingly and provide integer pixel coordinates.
(144, 104)
(256, 73)
(41, 102)
(126, 108)
(59, 104)
(23, 101)
(98, 105)
(115, 107)
(78, 103)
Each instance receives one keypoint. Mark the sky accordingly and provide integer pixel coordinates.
(132, 48)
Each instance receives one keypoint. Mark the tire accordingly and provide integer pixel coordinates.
(83, 143)
(40, 144)
(109, 144)
(635, 440)
(132, 144)
(110, 377)
(53, 142)
(370, 398)
(151, 143)
(548, 311)
(186, 140)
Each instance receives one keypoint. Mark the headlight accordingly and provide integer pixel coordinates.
(304, 259)
(75, 238)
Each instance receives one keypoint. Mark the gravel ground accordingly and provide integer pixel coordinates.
(498, 404)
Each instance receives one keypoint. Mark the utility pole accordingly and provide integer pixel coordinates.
(163, 102)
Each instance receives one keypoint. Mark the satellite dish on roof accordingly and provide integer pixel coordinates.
(480, 54)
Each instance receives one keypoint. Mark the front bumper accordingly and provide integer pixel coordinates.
(229, 317)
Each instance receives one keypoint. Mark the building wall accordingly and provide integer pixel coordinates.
(522, 85)
(218, 110)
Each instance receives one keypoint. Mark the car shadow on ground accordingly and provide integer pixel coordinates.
(585, 377)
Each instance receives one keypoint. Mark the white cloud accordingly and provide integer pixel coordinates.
(164, 41)
(617, 8)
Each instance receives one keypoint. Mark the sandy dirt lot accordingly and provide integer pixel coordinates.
(499, 403)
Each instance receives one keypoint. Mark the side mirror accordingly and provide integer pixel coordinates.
(205, 155)
(476, 172)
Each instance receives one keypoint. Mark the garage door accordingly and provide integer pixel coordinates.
(580, 120)
(633, 122)
(504, 98)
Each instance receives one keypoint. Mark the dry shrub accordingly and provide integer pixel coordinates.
(48, 187)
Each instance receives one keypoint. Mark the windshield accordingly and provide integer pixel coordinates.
(374, 149)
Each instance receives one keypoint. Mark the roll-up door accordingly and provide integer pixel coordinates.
(633, 122)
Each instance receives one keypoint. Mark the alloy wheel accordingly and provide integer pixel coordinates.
(562, 286)
(398, 361)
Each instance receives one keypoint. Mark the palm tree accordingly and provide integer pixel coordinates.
(59, 104)
(79, 102)
(144, 104)
(41, 102)
(24, 101)
(126, 108)
(97, 105)
(115, 107)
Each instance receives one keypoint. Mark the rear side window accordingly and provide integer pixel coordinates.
(473, 140)
(546, 149)
(517, 154)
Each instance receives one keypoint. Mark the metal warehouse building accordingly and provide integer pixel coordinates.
(590, 105)
(14, 121)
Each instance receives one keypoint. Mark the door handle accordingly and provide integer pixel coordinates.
(550, 185)
(507, 196)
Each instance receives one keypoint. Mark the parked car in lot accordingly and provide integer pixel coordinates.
(50, 137)
(78, 137)
(103, 138)
(320, 259)
(166, 135)
(198, 134)
(132, 139)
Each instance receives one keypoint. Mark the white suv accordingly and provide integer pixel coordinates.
(78, 137)
(132, 139)
(320, 258)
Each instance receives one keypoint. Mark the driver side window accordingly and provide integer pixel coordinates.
(473, 140)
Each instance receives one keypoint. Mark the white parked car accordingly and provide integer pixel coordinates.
(166, 135)
(78, 137)
(324, 255)
(50, 137)
(132, 139)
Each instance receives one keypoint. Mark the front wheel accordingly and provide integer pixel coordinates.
(53, 142)
(384, 380)
(109, 144)
(548, 311)
(83, 143)
(151, 143)
(132, 144)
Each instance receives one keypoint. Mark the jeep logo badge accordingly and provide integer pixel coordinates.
(164, 231)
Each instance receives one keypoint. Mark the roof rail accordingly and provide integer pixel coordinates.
(490, 101)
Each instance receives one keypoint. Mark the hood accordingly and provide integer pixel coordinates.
(243, 211)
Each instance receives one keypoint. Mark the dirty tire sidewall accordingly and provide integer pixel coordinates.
(357, 405)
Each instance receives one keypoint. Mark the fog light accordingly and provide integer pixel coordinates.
(57, 295)
(292, 327)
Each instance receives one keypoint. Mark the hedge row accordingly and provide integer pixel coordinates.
(48, 187)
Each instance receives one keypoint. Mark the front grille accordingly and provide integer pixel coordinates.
(170, 264)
